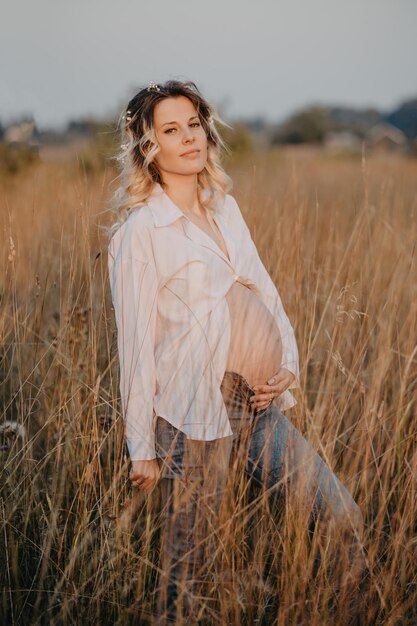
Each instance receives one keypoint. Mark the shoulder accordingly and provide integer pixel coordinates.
(140, 220)
(229, 200)
(233, 212)
(134, 236)
(230, 206)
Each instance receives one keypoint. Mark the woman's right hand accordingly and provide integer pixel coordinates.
(145, 474)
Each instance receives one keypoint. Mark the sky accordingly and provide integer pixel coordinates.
(65, 60)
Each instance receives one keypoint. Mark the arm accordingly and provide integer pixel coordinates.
(134, 287)
(253, 267)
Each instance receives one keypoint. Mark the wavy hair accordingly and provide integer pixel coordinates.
(139, 146)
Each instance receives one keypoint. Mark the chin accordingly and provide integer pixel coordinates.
(196, 168)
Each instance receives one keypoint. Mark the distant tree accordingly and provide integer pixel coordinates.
(306, 126)
(84, 126)
(357, 121)
(102, 146)
(16, 157)
(256, 124)
(405, 118)
(238, 138)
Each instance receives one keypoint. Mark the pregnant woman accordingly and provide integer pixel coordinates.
(207, 354)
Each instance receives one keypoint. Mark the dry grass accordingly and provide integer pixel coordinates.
(77, 545)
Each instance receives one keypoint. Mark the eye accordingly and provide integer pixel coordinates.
(192, 124)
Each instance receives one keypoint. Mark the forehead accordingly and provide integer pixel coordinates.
(175, 108)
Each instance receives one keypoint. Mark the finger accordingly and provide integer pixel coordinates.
(139, 482)
(262, 406)
(142, 486)
(277, 389)
(266, 388)
(262, 397)
(150, 486)
(263, 394)
(264, 401)
(140, 478)
(259, 400)
(149, 482)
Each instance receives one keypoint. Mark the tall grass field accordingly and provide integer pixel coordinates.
(78, 544)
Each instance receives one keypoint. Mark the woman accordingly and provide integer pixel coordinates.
(207, 354)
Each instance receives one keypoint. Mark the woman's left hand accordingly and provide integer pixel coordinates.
(276, 385)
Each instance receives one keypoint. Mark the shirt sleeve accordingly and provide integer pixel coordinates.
(134, 288)
(269, 294)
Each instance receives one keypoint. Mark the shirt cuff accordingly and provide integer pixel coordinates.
(292, 366)
(140, 450)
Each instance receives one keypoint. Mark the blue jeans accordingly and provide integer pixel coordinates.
(273, 454)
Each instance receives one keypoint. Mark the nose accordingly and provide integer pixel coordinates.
(188, 136)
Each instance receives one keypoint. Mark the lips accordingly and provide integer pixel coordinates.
(190, 152)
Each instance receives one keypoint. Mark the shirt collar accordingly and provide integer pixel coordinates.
(164, 210)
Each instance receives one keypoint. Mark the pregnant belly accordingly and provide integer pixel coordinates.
(255, 342)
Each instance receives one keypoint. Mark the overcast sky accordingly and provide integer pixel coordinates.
(62, 60)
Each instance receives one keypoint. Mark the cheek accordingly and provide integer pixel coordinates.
(203, 138)
(168, 151)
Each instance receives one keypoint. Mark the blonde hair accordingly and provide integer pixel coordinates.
(139, 146)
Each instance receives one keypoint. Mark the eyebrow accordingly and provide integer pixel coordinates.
(174, 122)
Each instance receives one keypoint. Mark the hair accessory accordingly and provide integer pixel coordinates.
(128, 116)
(153, 86)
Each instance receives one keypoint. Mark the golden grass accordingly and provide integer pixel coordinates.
(78, 546)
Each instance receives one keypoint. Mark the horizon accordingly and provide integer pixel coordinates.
(264, 64)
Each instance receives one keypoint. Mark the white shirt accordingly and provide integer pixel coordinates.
(168, 287)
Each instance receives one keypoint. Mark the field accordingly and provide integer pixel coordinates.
(78, 544)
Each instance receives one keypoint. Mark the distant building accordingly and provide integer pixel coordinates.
(21, 132)
(342, 140)
(386, 137)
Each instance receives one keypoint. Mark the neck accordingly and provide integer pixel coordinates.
(183, 192)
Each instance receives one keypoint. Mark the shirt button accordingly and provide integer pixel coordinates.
(235, 276)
